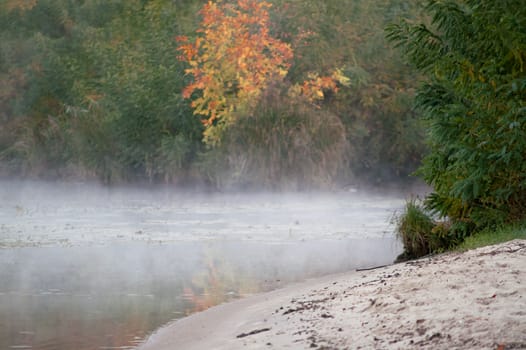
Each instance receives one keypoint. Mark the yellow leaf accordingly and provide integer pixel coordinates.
(341, 78)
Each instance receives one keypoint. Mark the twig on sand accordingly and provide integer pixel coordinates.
(372, 268)
(256, 331)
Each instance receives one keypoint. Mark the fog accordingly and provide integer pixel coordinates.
(89, 267)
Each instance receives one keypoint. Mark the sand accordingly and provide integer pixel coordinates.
(471, 300)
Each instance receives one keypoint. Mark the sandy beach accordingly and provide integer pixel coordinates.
(471, 300)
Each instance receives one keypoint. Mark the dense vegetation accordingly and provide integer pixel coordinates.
(95, 89)
(473, 56)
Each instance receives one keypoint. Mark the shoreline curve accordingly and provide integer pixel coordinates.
(474, 299)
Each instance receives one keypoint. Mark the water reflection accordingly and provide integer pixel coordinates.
(75, 274)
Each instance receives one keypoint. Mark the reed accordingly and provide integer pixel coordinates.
(284, 144)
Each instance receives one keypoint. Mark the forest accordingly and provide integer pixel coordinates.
(230, 94)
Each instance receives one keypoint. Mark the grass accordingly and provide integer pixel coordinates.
(414, 228)
(490, 237)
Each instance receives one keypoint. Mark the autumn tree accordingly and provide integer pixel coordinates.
(232, 60)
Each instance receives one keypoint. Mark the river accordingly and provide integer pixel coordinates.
(89, 267)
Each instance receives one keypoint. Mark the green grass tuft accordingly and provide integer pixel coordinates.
(490, 237)
(414, 227)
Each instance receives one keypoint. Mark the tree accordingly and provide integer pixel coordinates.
(232, 60)
(92, 89)
(474, 101)
(153, 132)
(385, 132)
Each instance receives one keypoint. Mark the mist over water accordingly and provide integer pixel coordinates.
(90, 267)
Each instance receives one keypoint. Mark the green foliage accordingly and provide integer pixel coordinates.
(474, 102)
(386, 136)
(140, 92)
(104, 94)
(494, 236)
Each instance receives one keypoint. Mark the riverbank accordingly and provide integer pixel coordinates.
(475, 299)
